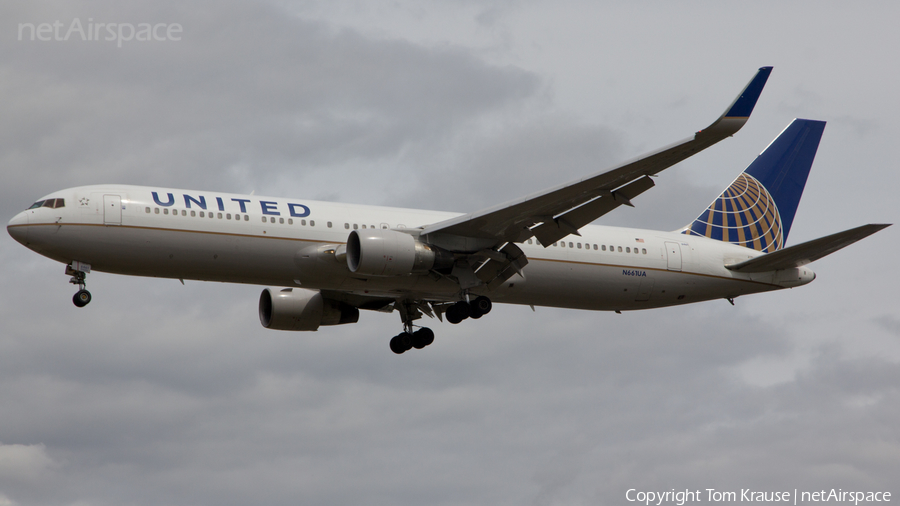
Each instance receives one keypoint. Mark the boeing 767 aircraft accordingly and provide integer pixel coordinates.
(328, 261)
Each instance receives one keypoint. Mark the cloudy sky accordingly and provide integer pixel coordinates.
(159, 393)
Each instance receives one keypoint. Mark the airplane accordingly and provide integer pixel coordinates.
(324, 262)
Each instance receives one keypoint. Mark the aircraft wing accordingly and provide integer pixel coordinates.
(807, 252)
(557, 212)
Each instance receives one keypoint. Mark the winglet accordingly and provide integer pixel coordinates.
(744, 103)
(739, 110)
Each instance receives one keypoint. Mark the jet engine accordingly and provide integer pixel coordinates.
(302, 309)
(381, 252)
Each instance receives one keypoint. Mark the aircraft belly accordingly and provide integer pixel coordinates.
(608, 287)
(173, 254)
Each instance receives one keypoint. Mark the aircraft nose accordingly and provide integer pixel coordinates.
(18, 227)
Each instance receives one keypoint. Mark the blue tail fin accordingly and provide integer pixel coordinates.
(758, 208)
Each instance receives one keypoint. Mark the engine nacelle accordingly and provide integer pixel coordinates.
(302, 309)
(381, 252)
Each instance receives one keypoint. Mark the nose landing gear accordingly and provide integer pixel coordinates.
(79, 271)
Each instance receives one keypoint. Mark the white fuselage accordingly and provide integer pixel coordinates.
(211, 236)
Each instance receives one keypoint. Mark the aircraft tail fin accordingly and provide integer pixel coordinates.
(758, 208)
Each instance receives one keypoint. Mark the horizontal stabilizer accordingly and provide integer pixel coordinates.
(807, 252)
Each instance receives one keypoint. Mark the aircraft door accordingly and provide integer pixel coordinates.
(673, 256)
(112, 210)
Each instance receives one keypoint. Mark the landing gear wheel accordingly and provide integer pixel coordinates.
(422, 338)
(482, 305)
(458, 312)
(82, 298)
(401, 343)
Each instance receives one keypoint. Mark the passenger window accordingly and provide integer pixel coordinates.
(329, 223)
(228, 216)
(166, 211)
(147, 210)
(155, 210)
(290, 221)
(281, 221)
(579, 245)
(193, 213)
(603, 248)
(246, 217)
(355, 226)
(183, 212)
(644, 250)
(364, 226)
(312, 223)
(219, 215)
(570, 245)
(347, 226)
(529, 241)
(271, 220)
(627, 250)
(595, 247)
(264, 219)
(303, 222)
(202, 214)
(620, 249)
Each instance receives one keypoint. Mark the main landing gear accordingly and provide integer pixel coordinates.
(473, 309)
(421, 338)
(408, 339)
(79, 271)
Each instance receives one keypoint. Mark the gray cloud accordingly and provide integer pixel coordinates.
(163, 393)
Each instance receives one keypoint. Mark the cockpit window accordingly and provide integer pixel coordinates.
(51, 203)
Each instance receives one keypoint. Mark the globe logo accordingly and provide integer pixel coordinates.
(745, 214)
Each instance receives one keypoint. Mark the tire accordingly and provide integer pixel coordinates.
(454, 315)
(82, 298)
(422, 338)
(397, 345)
(482, 304)
(406, 339)
(461, 310)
